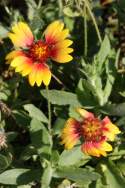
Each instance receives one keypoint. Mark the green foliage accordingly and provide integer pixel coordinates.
(81, 176)
(61, 97)
(97, 88)
(112, 176)
(33, 156)
(35, 113)
(73, 157)
(19, 176)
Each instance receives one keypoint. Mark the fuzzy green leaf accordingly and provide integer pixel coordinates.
(73, 157)
(61, 97)
(19, 176)
(35, 112)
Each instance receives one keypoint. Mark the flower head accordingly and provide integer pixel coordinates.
(94, 133)
(30, 56)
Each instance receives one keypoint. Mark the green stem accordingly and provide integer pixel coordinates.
(85, 32)
(49, 109)
(93, 19)
(60, 4)
(57, 79)
(40, 3)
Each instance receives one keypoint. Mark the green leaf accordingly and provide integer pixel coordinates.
(84, 94)
(115, 109)
(4, 162)
(73, 113)
(98, 184)
(79, 175)
(70, 13)
(55, 157)
(11, 136)
(122, 93)
(58, 126)
(21, 118)
(73, 157)
(24, 186)
(118, 152)
(35, 112)
(27, 153)
(47, 176)
(121, 166)
(110, 80)
(65, 183)
(103, 52)
(61, 97)
(32, 6)
(112, 175)
(40, 137)
(19, 176)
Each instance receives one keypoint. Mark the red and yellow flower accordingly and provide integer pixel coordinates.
(94, 133)
(30, 56)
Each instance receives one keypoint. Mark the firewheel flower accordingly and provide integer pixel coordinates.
(30, 56)
(93, 132)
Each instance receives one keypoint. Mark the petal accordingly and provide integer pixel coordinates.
(69, 50)
(62, 58)
(22, 64)
(60, 52)
(106, 146)
(27, 68)
(96, 148)
(89, 149)
(14, 54)
(40, 72)
(21, 35)
(53, 32)
(32, 75)
(62, 35)
(63, 44)
(36, 75)
(110, 130)
(84, 113)
(71, 133)
(55, 37)
(46, 75)
(39, 75)
(61, 49)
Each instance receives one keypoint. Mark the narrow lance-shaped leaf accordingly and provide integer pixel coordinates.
(103, 53)
(19, 176)
(79, 175)
(112, 175)
(46, 176)
(73, 157)
(40, 137)
(35, 112)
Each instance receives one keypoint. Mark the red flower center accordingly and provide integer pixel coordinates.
(92, 129)
(39, 51)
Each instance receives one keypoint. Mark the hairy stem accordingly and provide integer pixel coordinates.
(93, 19)
(49, 109)
(85, 32)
